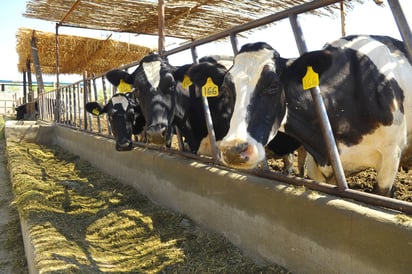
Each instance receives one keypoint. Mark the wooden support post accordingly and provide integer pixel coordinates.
(36, 61)
(24, 86)
(29, 82)
(161, 26)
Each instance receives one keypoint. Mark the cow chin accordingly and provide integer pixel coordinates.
(241, 154)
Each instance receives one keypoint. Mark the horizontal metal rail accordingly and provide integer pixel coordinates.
(356, 195)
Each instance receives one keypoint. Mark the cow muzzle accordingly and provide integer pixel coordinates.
(157, 134)
(124, 145)
(241, 154)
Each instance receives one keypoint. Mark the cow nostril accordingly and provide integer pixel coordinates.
(242, 147)
(163, 132)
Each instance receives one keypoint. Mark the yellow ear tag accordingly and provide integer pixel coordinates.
(210, 89)
(186, 81)
(96, 111)
(311, 79)
(123, 87)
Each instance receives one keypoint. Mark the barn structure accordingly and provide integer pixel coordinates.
(245, 200)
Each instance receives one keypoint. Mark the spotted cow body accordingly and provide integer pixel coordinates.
(367, 95)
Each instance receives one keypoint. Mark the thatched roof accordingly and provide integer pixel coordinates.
(77, 54)
(183, 18)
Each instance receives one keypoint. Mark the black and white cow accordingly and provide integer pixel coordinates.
(171, 96)
(365, 84)
(125, 118)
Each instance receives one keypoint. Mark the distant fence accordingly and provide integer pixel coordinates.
(7, 103)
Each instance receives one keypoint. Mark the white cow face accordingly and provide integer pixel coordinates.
(259, 106)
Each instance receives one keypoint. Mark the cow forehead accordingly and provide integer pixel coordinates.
(152, 72)
(246, 73)
(120, 100)
(252, 62)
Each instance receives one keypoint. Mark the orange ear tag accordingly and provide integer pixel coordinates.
(123, 87)
(311, 79)
(210, 89)
(186, 82)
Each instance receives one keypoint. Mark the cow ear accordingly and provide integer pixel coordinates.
(115, 76)
(94, 108)
(320, 61)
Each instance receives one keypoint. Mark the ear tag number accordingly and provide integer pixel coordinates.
(124, 87)
(186, 81)
(96, 111)
(210, 89)
(311, 79)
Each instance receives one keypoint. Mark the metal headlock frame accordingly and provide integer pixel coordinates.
(341, 190)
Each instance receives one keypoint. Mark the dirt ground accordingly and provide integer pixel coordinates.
(364, 181)
(12, 257)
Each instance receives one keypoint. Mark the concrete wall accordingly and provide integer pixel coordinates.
(303, 230)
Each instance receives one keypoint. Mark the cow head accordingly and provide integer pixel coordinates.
(192, 82)
(259, 107)
(155, 90)
(125, 118)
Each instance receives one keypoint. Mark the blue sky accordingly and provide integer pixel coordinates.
(364, 19)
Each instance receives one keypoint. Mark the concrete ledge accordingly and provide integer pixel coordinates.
(303, 230)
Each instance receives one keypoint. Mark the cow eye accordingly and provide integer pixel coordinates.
(272, 88)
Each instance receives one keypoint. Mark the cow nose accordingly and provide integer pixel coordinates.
(235, 154)
(156, 134)
(124, 145)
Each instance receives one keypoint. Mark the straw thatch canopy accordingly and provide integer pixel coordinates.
(183, 18)
(76, 54)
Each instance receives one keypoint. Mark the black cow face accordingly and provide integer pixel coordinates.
(125, 118)
(155, 89)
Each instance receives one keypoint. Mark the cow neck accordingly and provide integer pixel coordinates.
(192, 97)
(310, 137)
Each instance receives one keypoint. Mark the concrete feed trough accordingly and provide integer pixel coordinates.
(303, 230)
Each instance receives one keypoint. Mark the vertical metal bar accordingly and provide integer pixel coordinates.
(86, 97)
(297, 31)
(403, 26)
(234, 42)
(57, 57)
(321, 112)
(70, 102)
(208, 117)
(77, 112)
(105, 101)
(95, 98)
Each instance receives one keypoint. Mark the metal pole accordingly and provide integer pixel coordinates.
(208, 117)
(234, 42)
(403, 26)
(85, 98)
(57, 58)
(342, 18)
(321, 112)
(161, 26)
